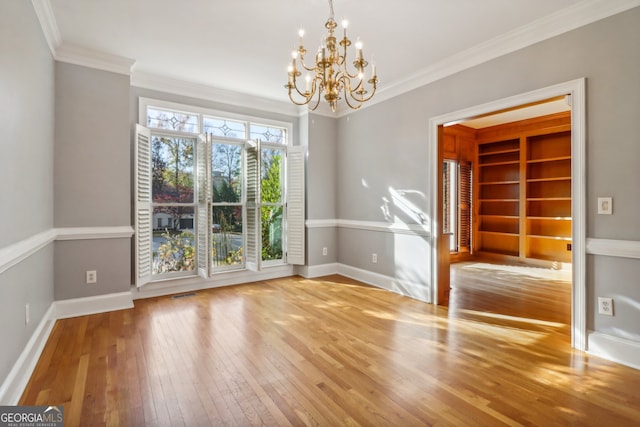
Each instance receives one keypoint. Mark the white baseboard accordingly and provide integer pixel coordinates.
(403, 287)
(192, 284)
(14, 384)
(92, 305)
(311, 272)
(615, 349)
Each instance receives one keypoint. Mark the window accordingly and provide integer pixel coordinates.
(224, 192)
(456, 194)
(173, 203)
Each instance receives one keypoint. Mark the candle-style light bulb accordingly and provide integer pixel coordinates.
(308, 79)
(359, 49)
(345, 25)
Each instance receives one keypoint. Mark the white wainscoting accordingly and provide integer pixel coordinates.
(15, 382)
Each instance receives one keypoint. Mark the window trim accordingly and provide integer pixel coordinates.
(145, 103)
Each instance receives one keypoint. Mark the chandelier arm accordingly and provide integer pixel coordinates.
(348, 90)
(346, 80)
(301, 61)
(366, 98)
(353, 107)
(314, 91)
(297, 102)
(345, 64)
(295, 86)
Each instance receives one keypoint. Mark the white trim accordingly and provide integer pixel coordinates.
(313, 271)
(200, 91)
(575, 88)
(93, 59)
(48, 23)
(397, 228)
(385, 227)
(19, 251)
(565, 20)
(615, 349)
(14, 384)
(562, 21)
(92, 305)
(419, 291)
(321, 223)
(88, 233)
(197, 283)
(615, 248)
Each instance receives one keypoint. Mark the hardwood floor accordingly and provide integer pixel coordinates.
(323, 352)
(520, 291)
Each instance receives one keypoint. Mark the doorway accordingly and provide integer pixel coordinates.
(574, 91)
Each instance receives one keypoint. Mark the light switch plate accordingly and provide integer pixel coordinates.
(605, 205)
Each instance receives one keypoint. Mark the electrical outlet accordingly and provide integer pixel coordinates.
(605, 205)
(92, 276)
(605, 306)
(374, 258)
(27, 316)
(324, 251)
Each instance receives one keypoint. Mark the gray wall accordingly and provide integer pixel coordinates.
(607, 54)
(26, 173)
(321, 187)
(92, 178)
(92, 158)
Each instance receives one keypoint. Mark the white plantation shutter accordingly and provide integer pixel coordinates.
(253, 255)
(203, 226)
(295, 205)
(144, 215)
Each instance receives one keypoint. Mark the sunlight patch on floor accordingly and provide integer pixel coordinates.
(512, 318)
(539, 272)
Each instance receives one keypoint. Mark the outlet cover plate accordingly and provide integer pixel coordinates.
(605, 306)
(92, 276)
(605, 205)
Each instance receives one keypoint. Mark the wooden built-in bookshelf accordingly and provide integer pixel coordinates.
(499, 197)
(523, 188)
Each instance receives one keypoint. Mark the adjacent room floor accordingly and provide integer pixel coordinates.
(520, 291)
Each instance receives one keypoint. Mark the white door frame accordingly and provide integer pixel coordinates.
(576, 89)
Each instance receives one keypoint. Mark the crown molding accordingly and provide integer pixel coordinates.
(78, 55)
(197, 90)
(563, 21)
(48, 23)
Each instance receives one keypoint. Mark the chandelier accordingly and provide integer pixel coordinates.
(330, 72)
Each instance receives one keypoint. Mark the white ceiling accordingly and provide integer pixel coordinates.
(244, 45)
(512, 115)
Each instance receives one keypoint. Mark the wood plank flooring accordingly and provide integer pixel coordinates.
(323, 352)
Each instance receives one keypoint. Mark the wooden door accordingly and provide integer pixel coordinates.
(442, 240)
